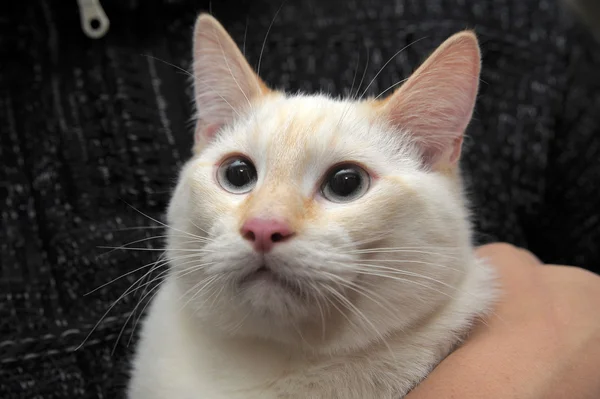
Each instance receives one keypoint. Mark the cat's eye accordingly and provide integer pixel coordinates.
(237, 175)
(345, 183)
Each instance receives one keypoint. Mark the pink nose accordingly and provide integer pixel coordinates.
(264, 233)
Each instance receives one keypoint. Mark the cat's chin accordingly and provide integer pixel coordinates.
(269, 293)
(264, 278)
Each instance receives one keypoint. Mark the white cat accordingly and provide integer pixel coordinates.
(319, 247)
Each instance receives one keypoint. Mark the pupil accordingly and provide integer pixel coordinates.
(240, 173)
(345, 182)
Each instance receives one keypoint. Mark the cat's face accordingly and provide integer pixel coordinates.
(304, 217)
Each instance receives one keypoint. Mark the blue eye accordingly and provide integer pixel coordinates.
(345, 183)
(237, 175)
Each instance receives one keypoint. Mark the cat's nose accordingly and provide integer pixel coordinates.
(265, 233)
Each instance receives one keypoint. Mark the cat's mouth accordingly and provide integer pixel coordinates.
(266, 276)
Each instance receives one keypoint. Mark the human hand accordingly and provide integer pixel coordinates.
(543, 341)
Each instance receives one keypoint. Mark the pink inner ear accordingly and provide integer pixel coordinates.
(436, 103)
(456, 150)
(205, 134)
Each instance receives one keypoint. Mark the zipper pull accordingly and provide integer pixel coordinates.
(94, 21)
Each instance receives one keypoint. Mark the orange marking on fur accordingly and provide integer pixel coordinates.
(264, 89)
(273, 201)
(310, 208)
(451, 171)
(244, 208)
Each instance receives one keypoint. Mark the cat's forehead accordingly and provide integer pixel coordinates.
(305, 119)
(306, 135)
(303, 127)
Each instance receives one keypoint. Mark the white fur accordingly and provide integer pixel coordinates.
(380, 289)
(263, 342)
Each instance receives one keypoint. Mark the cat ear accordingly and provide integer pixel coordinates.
(434, 106)
(224, 82)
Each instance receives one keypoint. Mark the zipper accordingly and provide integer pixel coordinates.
(94, 21)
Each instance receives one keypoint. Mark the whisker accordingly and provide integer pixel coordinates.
(198, 97)
(156, 249)
(207, 281)
(390, 87)
(154, 263)
(361, 316)
(148, 275)
(132, 242)
(156, 291)
(332, 303)
(129, 317)
(299, 332)
(405, 249)
(123, 295)
(349, 105)
(355, 74)
(186, 256)
(390, 60)
(239, 324)
(168, 63)
(363, 75)
(245, 36)
(358, 289)
(161, 276)
(400, 261)
(368, 267)
(128, 291)
(189, 270)
(161, 223)
(191, 258)
(394, 260)
(370, 273)
(314, 291)
(214, 296)
(180, 273)
(201, 229)
(367, 240)
(130, 228)
(262, 49)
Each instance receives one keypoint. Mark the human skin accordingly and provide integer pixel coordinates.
(543, 340)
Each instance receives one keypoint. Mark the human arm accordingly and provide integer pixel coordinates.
(543, 341)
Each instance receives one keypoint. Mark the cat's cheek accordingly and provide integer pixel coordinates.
(201, 200)
(214, 205)
(380, 213)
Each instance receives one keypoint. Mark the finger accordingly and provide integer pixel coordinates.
(500, 251)
(531, 258)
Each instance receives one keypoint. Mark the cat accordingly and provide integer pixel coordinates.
(318, 247)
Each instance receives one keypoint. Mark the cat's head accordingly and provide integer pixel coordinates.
(312, 219)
